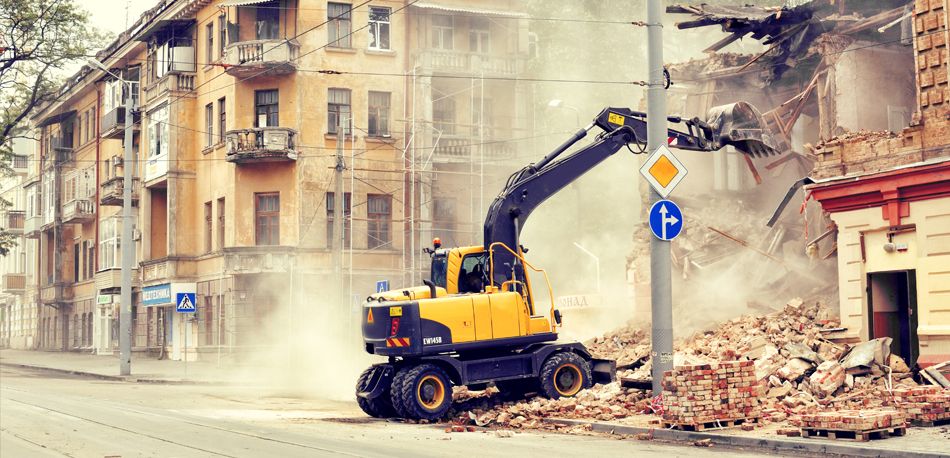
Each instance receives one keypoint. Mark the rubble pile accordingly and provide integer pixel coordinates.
(924, 404)
(707, 393)
(853, 420)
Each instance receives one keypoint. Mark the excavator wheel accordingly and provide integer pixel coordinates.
(378, 407)
(424, 392)
(564, 374)
(395, 391)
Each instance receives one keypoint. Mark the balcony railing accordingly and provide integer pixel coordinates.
(109, 281)
(167, 269)
(55, 293)
(13, 221)
(79, 211)
(176, 85)
(113, 123)
(20, 163)
(466, 63)
(112, 191)
(249, 58)
(33, 226)
(261, 144)
(62, 156)
(466, 149)
(14, 283)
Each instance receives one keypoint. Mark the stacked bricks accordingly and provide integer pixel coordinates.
(853, 420)
(924, 404)
(930, 43)
(706, 393)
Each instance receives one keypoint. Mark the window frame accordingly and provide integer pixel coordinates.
(270, 109)
(334, 110)
(378, 116)
(270, 235)
(221, 223)
(209, 44)
(379, 224)
(340, 25)
(209, 125)
(222, 119)
(379, 28)
(347, 219)
(271, 19)
(439, 32)
(222, 35)
(208, 227)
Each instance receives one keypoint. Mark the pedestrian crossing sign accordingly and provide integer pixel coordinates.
(185, 303)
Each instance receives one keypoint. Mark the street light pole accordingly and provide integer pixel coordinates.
(128, 247)
(661, 289)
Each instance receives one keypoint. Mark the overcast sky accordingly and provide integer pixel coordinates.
(110, 15)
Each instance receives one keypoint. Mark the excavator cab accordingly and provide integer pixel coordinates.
(742, 126)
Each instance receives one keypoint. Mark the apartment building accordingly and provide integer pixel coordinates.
(243, 111)
(16, 315)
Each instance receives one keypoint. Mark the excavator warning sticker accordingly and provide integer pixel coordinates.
(395, 311)
(397, 342)
(369, 316)
(615, 118)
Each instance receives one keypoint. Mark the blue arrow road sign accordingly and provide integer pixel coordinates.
(382, 286)
(666, 220)
(185, 302)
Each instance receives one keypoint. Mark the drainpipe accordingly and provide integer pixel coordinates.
(95, 243)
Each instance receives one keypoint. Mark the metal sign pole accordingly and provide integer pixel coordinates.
(660, 270)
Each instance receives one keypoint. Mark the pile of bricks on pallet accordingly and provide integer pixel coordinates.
(925, 404)
(708, 393)
(853, 420)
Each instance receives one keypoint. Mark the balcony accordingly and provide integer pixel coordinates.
(257, 259)
(464, 149)
(175, 85)
(246, 59)
(261, 144)
(113, 123)
(465, 63)
(109, 281)
(63, 156)
(14, 283)
(112, 191)
(168, 269)
(33, 226)
(79, 211)
(55, 293)
(13, 221)
(20, 164)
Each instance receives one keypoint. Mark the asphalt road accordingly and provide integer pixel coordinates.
(51, 415)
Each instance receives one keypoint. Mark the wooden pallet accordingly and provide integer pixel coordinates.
(928, 424)
(859, 436)
(721, 424)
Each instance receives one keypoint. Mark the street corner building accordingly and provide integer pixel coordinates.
(255, 125)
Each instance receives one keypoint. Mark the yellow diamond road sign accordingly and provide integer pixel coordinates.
(663, 171)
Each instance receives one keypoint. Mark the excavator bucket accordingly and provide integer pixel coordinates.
(742, 126)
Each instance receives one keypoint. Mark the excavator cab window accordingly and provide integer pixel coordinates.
(439, 268)
(472, 274)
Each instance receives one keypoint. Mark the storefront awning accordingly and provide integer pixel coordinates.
(56, 118)
(447, 9)
(226, 3)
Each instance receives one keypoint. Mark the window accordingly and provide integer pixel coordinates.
(378, 114)
(442, 31)
(268, 21)
(76, 263)
(222, 120)
(338, 107)
(340, 26)
(266, 108)
(209, 124)
(110, 233)
(209, 34)
(158, 131)
(267, 218)
(443, 114)
(379, 212)
(221, 223)
(483, 116)
(331, 208)
(479, 35)
(209, 219)
(379, 28)
(222, 35)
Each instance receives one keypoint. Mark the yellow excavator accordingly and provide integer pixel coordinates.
(476, 321)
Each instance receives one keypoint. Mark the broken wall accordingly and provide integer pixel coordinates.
(874, 87)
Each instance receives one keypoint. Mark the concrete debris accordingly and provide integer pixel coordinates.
(703, 443)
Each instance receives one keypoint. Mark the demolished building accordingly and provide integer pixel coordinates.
(857, 94)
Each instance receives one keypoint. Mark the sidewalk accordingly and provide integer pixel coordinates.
(918, 443)
(144, 370)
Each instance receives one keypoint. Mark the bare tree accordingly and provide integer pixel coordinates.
(38, 39)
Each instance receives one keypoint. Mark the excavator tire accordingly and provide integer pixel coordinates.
(395, 391)
(564, 374)
(425, 392)
(378, 407)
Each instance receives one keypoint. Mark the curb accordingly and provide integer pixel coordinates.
(785, 446)
(112, 378)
